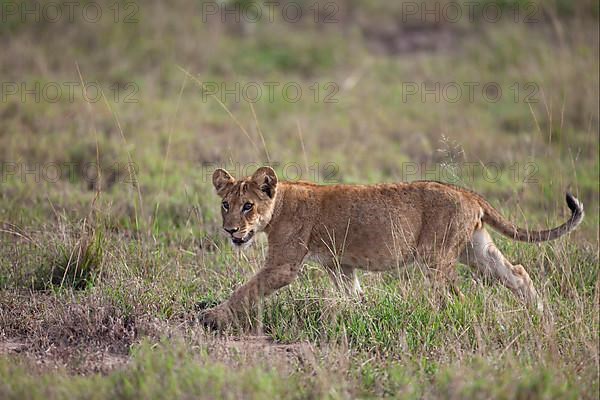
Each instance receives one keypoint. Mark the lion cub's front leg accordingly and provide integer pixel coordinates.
(279, 271)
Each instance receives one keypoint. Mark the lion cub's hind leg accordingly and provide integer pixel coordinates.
(345, 279)
(482, 254)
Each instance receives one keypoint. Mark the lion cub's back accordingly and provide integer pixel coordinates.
(361, 217)
(382, 218)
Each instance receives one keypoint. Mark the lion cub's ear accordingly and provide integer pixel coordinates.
(266, 179)
(222, 180)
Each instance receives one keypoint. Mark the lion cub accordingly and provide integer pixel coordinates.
(372, 227)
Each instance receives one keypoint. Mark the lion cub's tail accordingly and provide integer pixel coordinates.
(492, 217)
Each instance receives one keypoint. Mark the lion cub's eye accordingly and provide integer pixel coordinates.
(247, 207)
(225, 206)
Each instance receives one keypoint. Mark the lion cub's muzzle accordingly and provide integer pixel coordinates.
(240, 241)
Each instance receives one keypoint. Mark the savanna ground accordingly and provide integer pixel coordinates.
(103, 275)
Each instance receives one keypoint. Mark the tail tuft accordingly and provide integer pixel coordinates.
(574, 205)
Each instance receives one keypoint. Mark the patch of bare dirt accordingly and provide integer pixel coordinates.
(263, 348)
(230, 350)
(88, 334)
(73, 359)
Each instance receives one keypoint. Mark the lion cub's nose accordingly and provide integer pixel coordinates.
(231, 231)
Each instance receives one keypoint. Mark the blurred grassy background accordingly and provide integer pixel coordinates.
(157, 233)
(371, 54)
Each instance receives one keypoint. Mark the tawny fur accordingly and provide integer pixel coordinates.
(371, 227)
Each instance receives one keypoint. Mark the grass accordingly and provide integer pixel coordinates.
(101, 278)
(170, 371)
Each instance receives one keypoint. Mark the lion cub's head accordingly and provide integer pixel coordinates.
(247, 204)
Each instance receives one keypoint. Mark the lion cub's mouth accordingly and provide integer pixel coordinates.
(243, 240)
